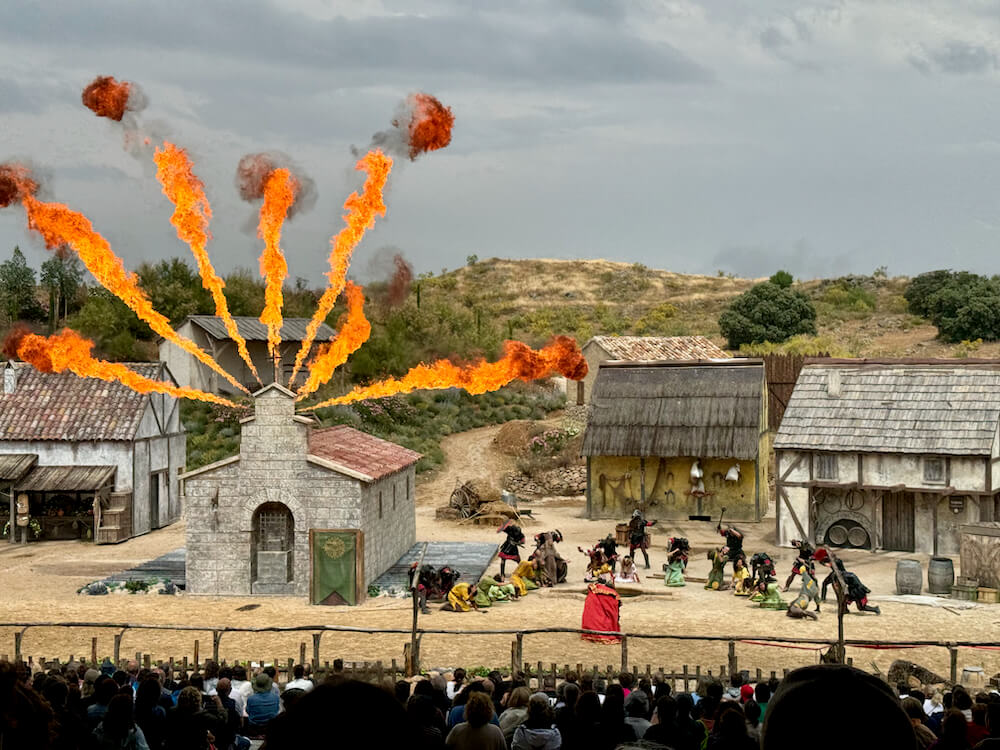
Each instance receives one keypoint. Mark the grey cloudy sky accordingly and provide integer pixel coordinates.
(825, 137)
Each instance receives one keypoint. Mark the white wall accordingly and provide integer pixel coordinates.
(786, 530)
(387, 538)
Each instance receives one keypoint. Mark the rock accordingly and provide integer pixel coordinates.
(95, 589)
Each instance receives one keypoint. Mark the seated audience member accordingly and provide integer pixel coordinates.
(457, 713)
(189, 724)
(537, 732)
(870, 710)
(476, 732)
(149, 714)
(117, 730)
(993, 725)
(104, 691)
(954, 732)
(731, 730)
(456, 683)
(915, 713)
(262, 706)
(299, 682)
(515, 714)
(636, 711)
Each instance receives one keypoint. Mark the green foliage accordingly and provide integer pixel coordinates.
(17, 289)
(213, 432)
(803, 345)
(244, 292)
(421, 419)
(656, 321)
(472, 259)
(782, 279)
(114, 328)
(964, 306)
(847, 297)
(136, 586)
(62, 276)
(967, 348)
(175, 289)
(626, 282)
(767, 312)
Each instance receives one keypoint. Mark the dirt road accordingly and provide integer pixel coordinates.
(38, 583)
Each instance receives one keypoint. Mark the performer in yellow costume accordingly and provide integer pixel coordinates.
(461, 598)
(525, 578)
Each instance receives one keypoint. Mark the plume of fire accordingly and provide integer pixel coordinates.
(106, 97)
(191, 216)
(279, 195)
(354, 331)
(361, 212)
(60, 225)
(430, 124)
(16, 182)
(399, 284)
(520, 362)
(69, 351)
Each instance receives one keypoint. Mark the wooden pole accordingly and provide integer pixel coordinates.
(196, 644)
(216, 637)
(302, 652)
(733, 664)
(414, 665)
(624, 653)
(93, 652)
(953, 653)
(520, 648)
(17, 646)
(316, 639)
(118, 649)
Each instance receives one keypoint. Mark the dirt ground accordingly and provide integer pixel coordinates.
(38, 583)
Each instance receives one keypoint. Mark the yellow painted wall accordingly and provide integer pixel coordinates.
(616, 488)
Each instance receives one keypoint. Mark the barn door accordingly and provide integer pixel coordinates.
(897, 521)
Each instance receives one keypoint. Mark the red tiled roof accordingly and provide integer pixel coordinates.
(64, 406)
(650, 348)
(359, 451)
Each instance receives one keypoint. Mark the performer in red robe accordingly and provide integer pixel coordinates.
(600, 611)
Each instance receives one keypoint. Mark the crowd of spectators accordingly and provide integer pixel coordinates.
(224, 708)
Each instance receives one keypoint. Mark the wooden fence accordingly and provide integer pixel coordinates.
(411, 663)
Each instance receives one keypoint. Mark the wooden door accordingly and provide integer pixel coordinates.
(897, 521)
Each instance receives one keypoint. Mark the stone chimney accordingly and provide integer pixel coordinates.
(9, 378)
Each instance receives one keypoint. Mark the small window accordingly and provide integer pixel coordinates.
(826, 466)
(380, 504)
(934, 470)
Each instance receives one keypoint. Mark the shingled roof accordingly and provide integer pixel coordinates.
(251, 329)
(651, 348)
(360, 452)
(707, 410)
(63, 406)
(935, 409)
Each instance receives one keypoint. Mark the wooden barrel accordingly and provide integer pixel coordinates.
(940, 575)
(909, 576)
(621, 534)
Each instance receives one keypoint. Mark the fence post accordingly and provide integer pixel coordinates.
(685, 673)
(17, 646)
(520, 648)
(953, 652)
(733, 663)
(513, 659)
(118, 649)
(216, 637)
(624, 653)
(302, 652)
(316, 637)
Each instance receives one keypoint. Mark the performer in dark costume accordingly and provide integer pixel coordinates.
(552, 563)
(856, 593)
(637, 535)
(609, 546)
(804, 557)
(447, 578)
(734, 543)
(678, 550)
(761, 569)
(421, 584)
(509, 549)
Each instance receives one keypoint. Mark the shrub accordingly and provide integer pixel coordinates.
(782, 279)
(963, 306)
(767, 312)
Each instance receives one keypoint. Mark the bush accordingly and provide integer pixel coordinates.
(767, 312)
(782, 279)
(964, 306)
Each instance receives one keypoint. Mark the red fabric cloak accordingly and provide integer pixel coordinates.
(600, 612)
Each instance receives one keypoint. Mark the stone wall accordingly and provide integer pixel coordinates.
(388, 520)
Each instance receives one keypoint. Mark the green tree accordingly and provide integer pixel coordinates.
(964, 306)
(175, 289)
(62, 276)
(767, 312)
(244, 293)
(919, 291)
(782, 279)
(113, 327)
(17, 289)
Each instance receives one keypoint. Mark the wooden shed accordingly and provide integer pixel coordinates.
(678, 438)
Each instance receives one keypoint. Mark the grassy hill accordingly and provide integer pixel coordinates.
(862, 316)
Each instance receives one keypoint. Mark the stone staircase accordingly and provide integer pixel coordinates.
(114, 523)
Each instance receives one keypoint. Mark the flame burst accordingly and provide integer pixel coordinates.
(361, 212)
(430, 124)
(354, 332)
(69, 351)
(279, 195)
(520, 362)
(107, 97)
(191, 216)
(60, 225)
(15, 183)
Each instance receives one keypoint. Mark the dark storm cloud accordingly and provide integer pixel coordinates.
(506, 46)
(802, 260)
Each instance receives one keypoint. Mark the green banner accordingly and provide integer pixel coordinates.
(334, 568)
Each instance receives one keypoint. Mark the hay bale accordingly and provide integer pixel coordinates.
(485, 490)
(447, 514)
(512, 437)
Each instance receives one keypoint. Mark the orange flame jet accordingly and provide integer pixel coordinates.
(361, 212)
(354, 332)
(279, 195)
(70, 351)
(520, 362)
(192, 213)
(60, 225)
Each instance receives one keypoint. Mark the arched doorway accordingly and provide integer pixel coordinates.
(273, 547)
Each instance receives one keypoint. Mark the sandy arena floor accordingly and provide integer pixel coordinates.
(38, 583)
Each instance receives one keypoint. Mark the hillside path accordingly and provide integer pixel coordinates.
(468, 455)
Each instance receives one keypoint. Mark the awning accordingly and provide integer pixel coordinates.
(66, 479)
(13, 466)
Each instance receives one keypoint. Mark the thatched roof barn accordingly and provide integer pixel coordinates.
(654, 426)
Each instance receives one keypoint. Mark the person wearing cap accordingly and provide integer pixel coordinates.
(746, 693)
(636, 711)
(263, 705)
